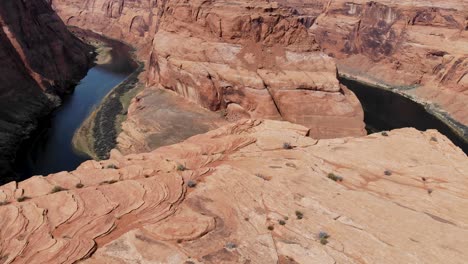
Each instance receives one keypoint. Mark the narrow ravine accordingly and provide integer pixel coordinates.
(50, 149)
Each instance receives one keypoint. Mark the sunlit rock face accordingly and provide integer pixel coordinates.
(416, 46)
(249, 59)
(40, 59)
(240, 194)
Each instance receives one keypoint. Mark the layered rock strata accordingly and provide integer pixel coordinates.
(238, 195)
(253, 59)
(417, 47)
(40, 59)
(261, 58)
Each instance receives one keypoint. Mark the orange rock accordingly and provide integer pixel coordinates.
(254, 200)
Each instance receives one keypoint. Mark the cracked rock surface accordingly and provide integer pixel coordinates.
(401, 199)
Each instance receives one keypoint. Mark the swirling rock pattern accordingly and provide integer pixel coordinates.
(256, 200)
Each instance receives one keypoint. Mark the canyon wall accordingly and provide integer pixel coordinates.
(417, 47)
(248, 59)
(40, 59)
(236, 195)
(267, 58)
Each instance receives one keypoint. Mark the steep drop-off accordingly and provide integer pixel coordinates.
(264, 59)
(237, 195)
(249, 59)
(40, 60)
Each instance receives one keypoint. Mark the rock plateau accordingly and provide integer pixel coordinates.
(237, 195)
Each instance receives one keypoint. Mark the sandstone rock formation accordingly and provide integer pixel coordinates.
(250, 200)
(254, 59)
(418, 47)
(39, 59)
(262, 58)
(159, 117)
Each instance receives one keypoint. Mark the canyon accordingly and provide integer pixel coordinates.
(41, 61)
(237, 140)
(276, 59)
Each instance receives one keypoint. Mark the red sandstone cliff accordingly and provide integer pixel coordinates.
(262, 58)
(39, 58)
(419, 47)
(254, 59)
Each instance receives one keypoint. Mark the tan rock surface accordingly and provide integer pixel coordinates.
(402, 200)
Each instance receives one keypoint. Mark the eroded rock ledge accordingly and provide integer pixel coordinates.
(401, 200)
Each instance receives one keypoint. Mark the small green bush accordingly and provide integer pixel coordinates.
(231, 245)
(299, 215)
(181, 167)
(112, 166)
(334, 177)
(388, 173)
(323, 236)
(191, 184)
(108, 182)
(384, 133)
(57, 189)
(281, 222)
(287, 145)
(22, 198)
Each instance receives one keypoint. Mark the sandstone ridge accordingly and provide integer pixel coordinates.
(238, 194)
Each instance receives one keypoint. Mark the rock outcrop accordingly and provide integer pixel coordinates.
(417, 47)
(250, 59)
(238, 194)
(40, 59)
(264, 58)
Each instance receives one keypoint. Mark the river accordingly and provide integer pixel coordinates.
(387, 110)
(50, 149)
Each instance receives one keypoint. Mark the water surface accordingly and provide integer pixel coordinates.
(50, 149)
(386, 110)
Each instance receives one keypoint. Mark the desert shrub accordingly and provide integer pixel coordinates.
(191, 184)
(281, 222)
(57, 189)
(181, 167)
(335, 177)
(22, 198)
(299, 215)
(323, 236)
(231, 245)
(387, 173)
(79, 185)
(384, 133)
(287, 145)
